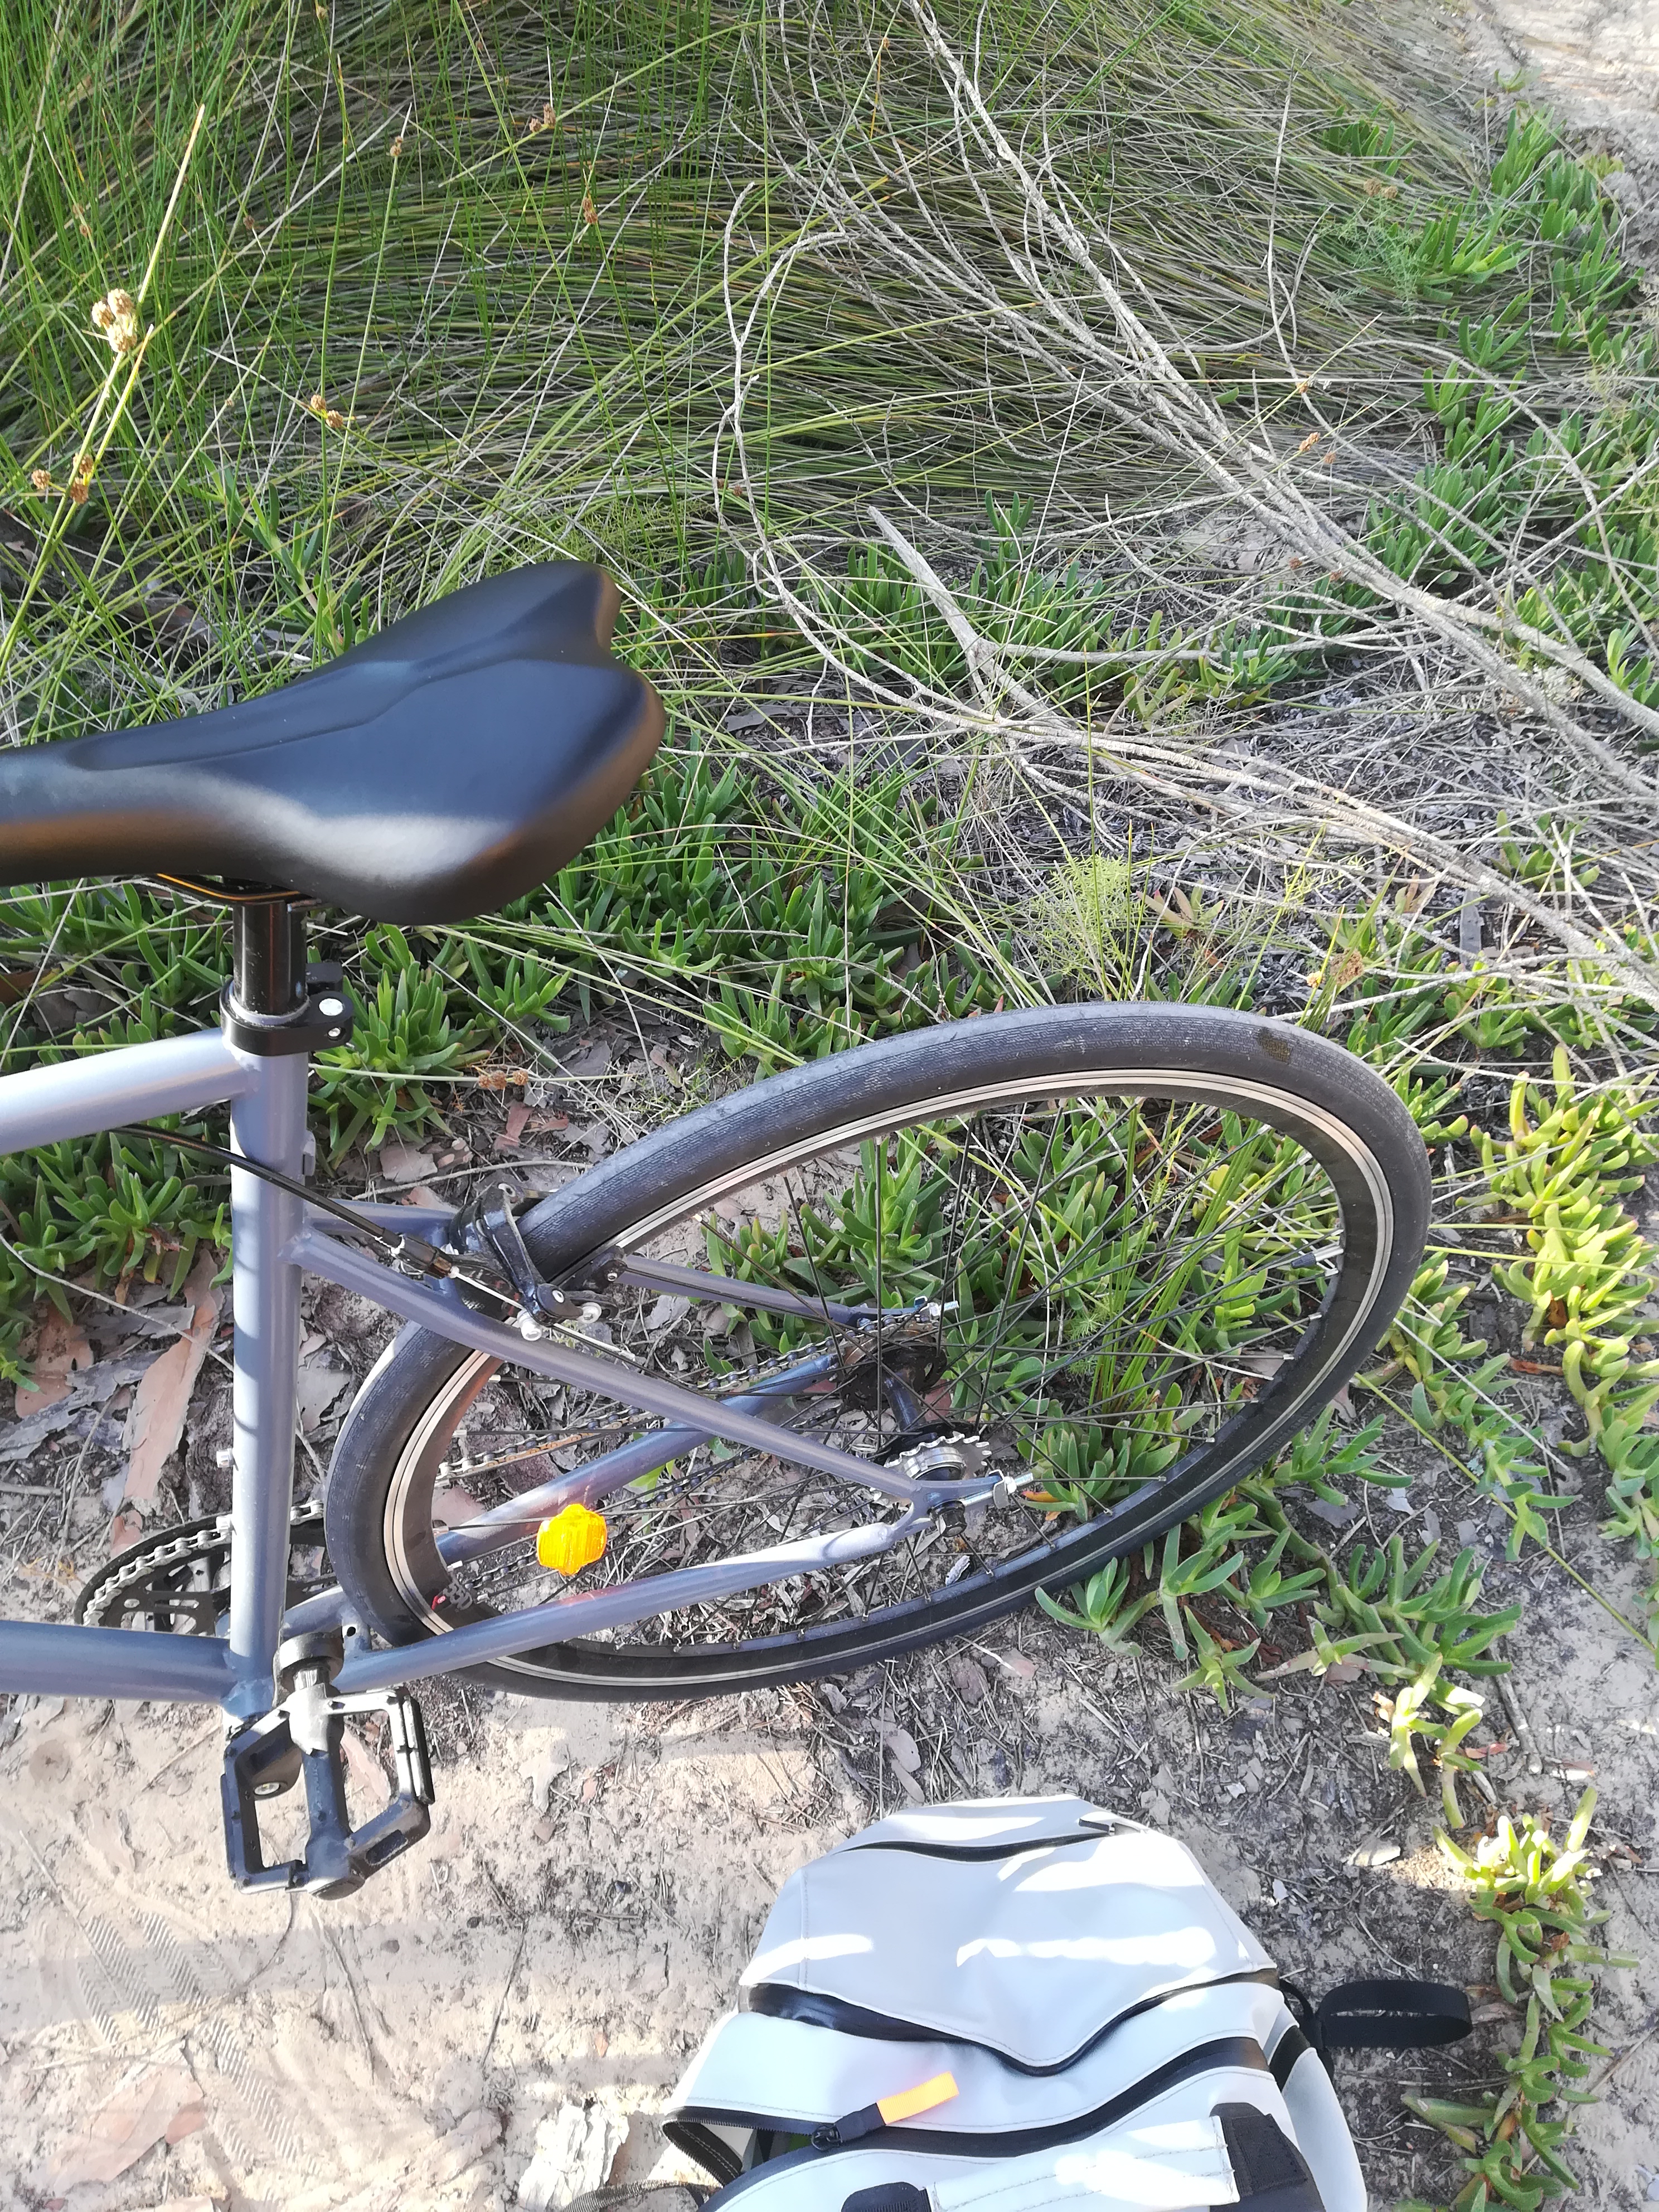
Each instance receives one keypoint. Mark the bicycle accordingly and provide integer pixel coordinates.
(860, 1356)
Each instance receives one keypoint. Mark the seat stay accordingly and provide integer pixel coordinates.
(443, 1312)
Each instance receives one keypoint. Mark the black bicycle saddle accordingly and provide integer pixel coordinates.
(446, 766)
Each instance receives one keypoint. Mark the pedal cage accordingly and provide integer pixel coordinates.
(267, 1757)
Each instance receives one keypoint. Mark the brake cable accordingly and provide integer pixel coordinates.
(415, 1251)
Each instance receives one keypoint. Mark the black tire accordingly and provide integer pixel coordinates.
(1336, 1109)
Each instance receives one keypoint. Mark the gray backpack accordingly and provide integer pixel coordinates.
(1025, 2003)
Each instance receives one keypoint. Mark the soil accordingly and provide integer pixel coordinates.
(1595, 65)
(596, 1876)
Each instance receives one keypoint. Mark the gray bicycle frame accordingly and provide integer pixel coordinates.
(275, 1236)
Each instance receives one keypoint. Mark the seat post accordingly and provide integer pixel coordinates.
(267, 1124)
(268, 939)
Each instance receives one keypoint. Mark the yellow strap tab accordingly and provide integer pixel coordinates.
(909, 2102)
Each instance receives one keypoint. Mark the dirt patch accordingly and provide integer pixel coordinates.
(596, 1876)
(1594, 64)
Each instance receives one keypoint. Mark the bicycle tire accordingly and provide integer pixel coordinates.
(1290, 1081)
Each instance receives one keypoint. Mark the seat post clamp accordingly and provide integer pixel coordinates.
(325, 1017)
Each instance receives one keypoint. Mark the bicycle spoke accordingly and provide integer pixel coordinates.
(1070, 1293)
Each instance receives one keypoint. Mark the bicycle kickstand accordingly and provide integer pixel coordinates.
(302, 1738)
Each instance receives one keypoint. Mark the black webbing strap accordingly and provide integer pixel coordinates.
(1388, 2016)
(887, 2196)
(1269, 2172)
(1376, 2015)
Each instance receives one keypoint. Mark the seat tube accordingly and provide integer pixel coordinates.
(268, 1124)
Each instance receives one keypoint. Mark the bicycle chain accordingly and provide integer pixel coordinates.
(165, 1554)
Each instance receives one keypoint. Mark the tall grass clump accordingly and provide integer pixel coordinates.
(1119, 498)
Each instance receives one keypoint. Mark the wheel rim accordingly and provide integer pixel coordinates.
(1150, 1342)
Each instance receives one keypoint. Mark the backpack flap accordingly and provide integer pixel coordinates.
(789, 2077)
(1027, 1926)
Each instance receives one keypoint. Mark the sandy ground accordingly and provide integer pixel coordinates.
(1594, 63)
(596, 1876)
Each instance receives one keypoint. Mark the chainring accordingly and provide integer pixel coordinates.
(178, 1580)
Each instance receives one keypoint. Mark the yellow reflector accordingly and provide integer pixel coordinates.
(909, 2102)
(571, 1540)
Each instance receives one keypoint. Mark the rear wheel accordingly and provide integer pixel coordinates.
(1122, 1253)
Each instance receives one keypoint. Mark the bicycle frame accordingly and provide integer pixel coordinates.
(275, 1237)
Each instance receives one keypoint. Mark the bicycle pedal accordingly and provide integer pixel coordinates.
(301, 1740)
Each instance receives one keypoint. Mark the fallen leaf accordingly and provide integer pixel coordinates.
(901, 1747)
(517, 1114)
(62, 1348)
(156, 1420)
(126, 1529)
(1338, 1517)
(1015, 1662)
(909, 1783)
(187, 2122)
(316, 1388)
(1347, 1670)
(968, 1677)
(590, 1063)
(131, 2122)
(1375, 1849)
(401, 1163)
